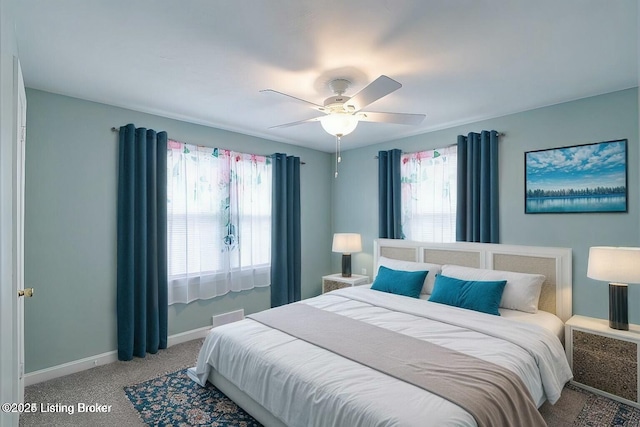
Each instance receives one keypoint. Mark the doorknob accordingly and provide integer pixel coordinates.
(28, 292)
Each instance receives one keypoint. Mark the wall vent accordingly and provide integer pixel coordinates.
(224, 318)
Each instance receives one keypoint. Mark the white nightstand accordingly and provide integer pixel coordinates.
(336, 281)
(604, 360)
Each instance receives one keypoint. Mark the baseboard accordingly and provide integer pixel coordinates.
(193, 334)
(70, 368)
(102, 359)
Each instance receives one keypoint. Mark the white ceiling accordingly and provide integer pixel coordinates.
(205, 61)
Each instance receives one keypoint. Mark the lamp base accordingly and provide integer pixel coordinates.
(618, 307)
(346, 265)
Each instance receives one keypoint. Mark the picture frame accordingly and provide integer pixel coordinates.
(582, 178)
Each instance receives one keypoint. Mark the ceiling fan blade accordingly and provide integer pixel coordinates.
(399, 118)
(309, 103)
(299, 122)
(375, 90)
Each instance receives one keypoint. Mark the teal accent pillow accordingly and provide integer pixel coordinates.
(470, 294)
(407, 283)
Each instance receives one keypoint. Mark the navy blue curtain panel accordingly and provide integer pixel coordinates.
(477, 210)
(286, 255)
(142, 242)
(389, 196)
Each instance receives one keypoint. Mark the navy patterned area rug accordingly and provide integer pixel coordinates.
(601, 411)
(175, 400)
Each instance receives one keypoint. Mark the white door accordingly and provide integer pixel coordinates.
(18, 220)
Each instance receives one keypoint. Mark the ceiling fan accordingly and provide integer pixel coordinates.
(342, 113)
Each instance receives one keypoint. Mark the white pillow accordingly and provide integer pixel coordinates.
(522, 291)
(397, 264)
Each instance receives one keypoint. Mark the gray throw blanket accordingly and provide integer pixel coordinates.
(493, 395)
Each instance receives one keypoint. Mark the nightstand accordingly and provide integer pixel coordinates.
(604, 360)
(336, 281)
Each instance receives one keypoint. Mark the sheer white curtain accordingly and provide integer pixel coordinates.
(429, 195)
(218, 221)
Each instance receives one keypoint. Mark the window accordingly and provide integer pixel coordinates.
(218, 221)
(429, 195)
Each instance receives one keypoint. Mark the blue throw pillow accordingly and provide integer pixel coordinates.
(470, 294)
(407, 283)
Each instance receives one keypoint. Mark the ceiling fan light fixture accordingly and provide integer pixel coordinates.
(339, 124)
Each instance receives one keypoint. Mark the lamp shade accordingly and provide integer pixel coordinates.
(339, 124)
(347, 243)
(614, 264)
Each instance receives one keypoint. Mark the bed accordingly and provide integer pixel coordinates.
(309, 376)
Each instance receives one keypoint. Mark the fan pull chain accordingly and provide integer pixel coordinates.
(338, 157)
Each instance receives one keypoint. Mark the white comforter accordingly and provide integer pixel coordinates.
(306, 386)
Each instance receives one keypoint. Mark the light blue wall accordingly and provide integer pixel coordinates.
(601, 118)
(70, 236)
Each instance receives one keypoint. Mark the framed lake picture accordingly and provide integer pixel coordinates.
(581, 178)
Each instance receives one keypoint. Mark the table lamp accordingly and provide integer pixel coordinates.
(618, 266)
(346, 243)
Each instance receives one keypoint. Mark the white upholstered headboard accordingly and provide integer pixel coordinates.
(553, 263)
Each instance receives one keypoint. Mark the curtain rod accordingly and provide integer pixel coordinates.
(452, 145)
(115, 129)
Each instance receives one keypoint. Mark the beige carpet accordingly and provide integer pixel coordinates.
(566, 410)
(104, 385)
